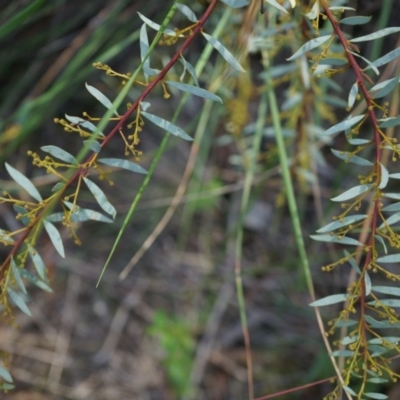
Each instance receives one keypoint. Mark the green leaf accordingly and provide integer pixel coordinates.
(55, 237)
(229, 58)
(352, 262)
(24, 182)
(351, 158)
(373, 323)
(22, 214)
(389, 122)
(368, 284)
(333, 61)
(342, 126)
(349, 390)
(189, 67)
(38, 263)
(336, 239)
(5, 375)
(391, 220)
(144, 47)
(392, 207)
(376, 35)
(384, 88)
(395, 196)
(349, 322)
(387, 58)
(311, 44)
(17, 276)
(187, 12)
(35, 280)
(18, 301)
(380, 239)
(80, 214)
(391, 258)
(385, 339)
(384, 176)
(341, 223)
(83, 123)
(314, 12)
(332, 299)
(100, 198)
(125, 164)
(378, 396)
(387, 302)
(92, 145)
(57, 186)
(275, 4)
(194, 90)
(60, 154)
(5, 238)
(101, 98)
(360, 20)
(351, 193)
(166, 125)
(156, 27)
(236, 3)
(369, 63)
(394, 291)
(342, 353)
(348, 340)
(352, 95)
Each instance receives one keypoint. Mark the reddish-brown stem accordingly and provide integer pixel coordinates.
(296, 389)
(117, 127)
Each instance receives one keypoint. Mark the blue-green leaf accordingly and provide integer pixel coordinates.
(144, 47)
(101, 98)
(342, 353)
(393, 219)
(236, 3)
(382, 242)
(389, 122)
(392, 207)
(341, 223)
(384, 176)
(125, 164)
(92, 145)
(35, 280)
(187, 12)
(352, 95)
(351, 158)
(387, 58)
(380, 324)
(101, 198)
(368, 284)
(5, 375)
(314, 12)
(18, 301)
(391, 258)
(352, 262)
(5, 238)
(60, 154)
(369, 63)
(385, 339)
(348, 340)
(83, 123)
(342, 126)
(57, 186)
(157, 27)
(80, 214)
(346, 388)
(384, 88)
(359, 20)
(353, 192)
(55, 237)
(333, 61)
(166, 125)
(225, 53)
(394, 291)
(332, 299)
(378, 396)
(24, 182)
(189, 67)
(311, 44)
(336, 239)
(17, 276)
(395, 196)
(275, 4)
(22, 214)
(376, 35)
(377, 380)
(194, 90)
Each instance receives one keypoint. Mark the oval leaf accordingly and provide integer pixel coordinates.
(55, 237)
(391, 258)
(353, 192)
(360, 20)
(125, 164)
(17, 276)
(333, 299)
(194, 90)
(187, 12)
(224, 52)
(101, 98)
(336, 239)
(60, 154)
(18, 301)
(100, 198)
(166, 125)
(24, 182)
